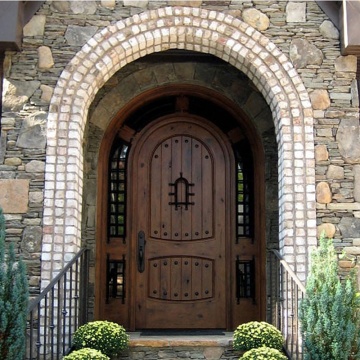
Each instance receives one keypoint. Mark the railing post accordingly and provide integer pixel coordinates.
(56, 313)
(290, 291)
(84, 290)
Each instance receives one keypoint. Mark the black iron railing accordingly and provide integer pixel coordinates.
(285, 292)
(58, 311)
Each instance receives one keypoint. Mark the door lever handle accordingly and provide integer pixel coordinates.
(141, 251)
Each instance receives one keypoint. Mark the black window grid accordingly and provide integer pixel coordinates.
(244, 196)
(117, 193)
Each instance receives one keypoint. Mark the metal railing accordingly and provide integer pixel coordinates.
(285, 292)
(58, 311)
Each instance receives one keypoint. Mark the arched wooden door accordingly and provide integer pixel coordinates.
(179, 222)
(183, 244)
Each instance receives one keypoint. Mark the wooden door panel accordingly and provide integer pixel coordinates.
(180, 278)
(185, 249)
(181, 166)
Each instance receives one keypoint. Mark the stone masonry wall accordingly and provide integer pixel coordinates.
(59, 30)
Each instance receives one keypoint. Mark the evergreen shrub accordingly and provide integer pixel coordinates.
(105, 336)
(14, 297)
(86, 354)
(263, 353)
(256, 334)
(329, 314)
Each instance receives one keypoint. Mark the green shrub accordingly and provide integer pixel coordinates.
(86, 354)
(107, 337)
(329, 314)
(263, 353)
(255, 334)
(14, 297)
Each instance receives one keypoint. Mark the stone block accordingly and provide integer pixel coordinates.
(354, 93)
(323, 193)
(320, 99)
(352, 250)
(141, 3)
(46, 60)
(295, 12)
(31, 240)
(348, 140)
(36, 26)
(193, 3)
(344, 206)
(256, 19)
(346, 63)
(328, 30)
(328, 228)
(14, 196)
(302, 54)
(16, 93)
(321, 153)
(14, 161)
(213, 353)
(79, 35)
(35, 166)
(356, 170)
(83, 7)
(335, 172)
(33, 131)
(46, 93)
(350, 228)
(347, 264)
(110, 4)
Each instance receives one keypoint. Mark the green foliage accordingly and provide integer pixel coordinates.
(329, 314)
(107, 337)
(263, 353)
(256, 334)
(86, 354)
(13, 301)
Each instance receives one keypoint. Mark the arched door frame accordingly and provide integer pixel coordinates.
(188, 28)
(114, 130)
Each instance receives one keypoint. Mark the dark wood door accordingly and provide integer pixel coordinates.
(179, 226)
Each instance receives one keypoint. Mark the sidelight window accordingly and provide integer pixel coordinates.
(117, 192)
(244, 192)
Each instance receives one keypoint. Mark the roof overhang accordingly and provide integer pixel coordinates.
(344, 14)
(349, 27)
(13, 16)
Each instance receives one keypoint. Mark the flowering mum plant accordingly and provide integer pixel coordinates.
(107, 337)
(263, 353)
(256, 334)
(86, 354)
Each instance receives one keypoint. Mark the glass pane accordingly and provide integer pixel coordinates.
(117, 191)
(244, 196)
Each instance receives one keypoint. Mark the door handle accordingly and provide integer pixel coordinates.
(141, 251)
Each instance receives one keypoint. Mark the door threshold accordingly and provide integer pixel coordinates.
(181, 332)
(166, 338)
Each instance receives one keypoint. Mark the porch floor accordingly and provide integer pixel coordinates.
(184, 347)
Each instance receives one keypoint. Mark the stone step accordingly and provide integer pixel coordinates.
(184, 347)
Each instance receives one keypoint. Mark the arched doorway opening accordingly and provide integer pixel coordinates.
(181, 226)
(120, 45)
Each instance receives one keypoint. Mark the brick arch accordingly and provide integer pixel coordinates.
(184, 28)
